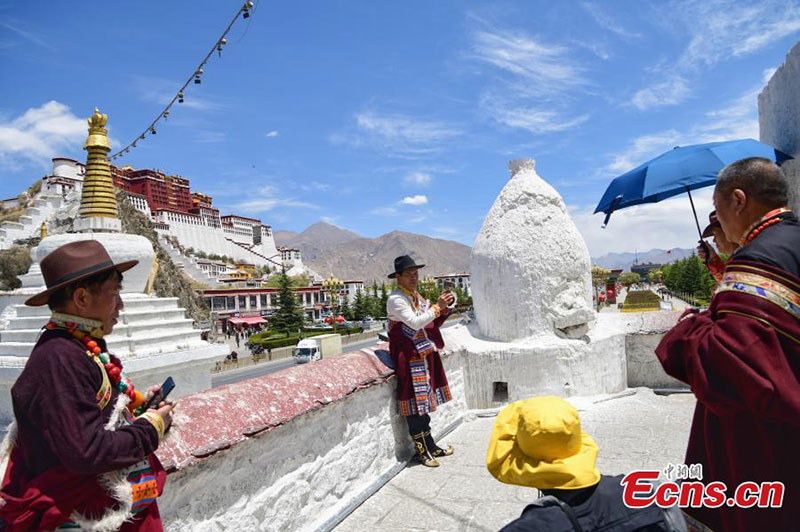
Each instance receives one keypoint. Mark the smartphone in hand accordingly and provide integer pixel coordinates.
(160, 395)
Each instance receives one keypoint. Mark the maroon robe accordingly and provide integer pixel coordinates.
(741, 359)
(403, 351)
(62, 445)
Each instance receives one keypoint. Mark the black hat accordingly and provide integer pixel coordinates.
(403, 263)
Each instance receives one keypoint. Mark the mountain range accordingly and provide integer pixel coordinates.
(624, 261)
(328, 249)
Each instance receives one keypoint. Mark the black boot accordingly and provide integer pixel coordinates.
(435, 450)
(423, 454)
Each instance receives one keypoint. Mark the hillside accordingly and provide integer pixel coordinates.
(315, 240)
(328, 249)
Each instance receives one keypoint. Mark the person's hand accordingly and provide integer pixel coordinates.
(687, 314)
(445, 300)
(151, 391)
(701, 252)
(165, 411)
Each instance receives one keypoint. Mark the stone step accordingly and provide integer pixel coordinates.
(131, 305)
(25, 220)
(149, 346)
(12, 226)
(33, 211)
(146, 315)
(24, 311)
(157, 343)
(145, 328)
(129, 331)
(131, 317)
(16, 349)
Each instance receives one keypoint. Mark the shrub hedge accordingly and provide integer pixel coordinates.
(264, 340)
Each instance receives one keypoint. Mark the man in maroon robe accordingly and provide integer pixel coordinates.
(741, 357)
(66, 451)
(414, 338)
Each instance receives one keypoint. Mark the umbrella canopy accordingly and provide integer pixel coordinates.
(680, 170)
(339, 319)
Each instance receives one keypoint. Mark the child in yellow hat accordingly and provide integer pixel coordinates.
(538, 443)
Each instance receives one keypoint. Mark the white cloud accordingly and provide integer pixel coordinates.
(546, 69)
(330, 219)
(643, 148)
(608, 22)
(271, 134)
(422, 179)
(161, 91)
(736, 120)
(715, 31)
(670, 92)
(27, 35)
(205, 135)
(398, 134)
(665, 225)
(414, 200)
(534, 119)
(535, 83)
(384, 211)
(266, 198)
(41, 133)
(722, 29)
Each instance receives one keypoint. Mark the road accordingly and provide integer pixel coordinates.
(265, 368)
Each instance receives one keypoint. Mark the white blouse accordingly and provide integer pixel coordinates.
(399, 308)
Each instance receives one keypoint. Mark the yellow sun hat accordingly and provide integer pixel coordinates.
(538, 443)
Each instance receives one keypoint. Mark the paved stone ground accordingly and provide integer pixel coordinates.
(636, 429)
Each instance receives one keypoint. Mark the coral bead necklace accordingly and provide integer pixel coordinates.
(114, 371)
(771, 218)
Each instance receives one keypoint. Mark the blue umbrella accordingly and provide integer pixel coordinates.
(682, 169)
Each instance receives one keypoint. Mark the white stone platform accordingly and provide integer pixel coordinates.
(635, 429)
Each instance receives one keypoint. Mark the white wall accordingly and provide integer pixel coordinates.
(299, 475)
(779, 118)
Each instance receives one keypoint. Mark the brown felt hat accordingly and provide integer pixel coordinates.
(74, 262)
(713, 222)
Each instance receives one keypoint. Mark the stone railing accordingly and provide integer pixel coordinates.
(295, 450)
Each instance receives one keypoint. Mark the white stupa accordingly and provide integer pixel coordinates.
(531, 287)
(529, 225)
(154, 338)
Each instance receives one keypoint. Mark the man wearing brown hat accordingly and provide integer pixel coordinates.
(413, 341)
(79, 455)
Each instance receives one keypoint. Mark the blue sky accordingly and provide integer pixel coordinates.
(378, 116)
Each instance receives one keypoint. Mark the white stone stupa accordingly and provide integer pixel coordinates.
(531, 286)
(153, 337)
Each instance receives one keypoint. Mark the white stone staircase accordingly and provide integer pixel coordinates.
(269, 261)
(147, 326)
(43, 207)
(187, 264)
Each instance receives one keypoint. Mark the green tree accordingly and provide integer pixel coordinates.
(289, 317)
(629, 278)
(360, 305)
(384, 301)
(690, 276)
(344, 309)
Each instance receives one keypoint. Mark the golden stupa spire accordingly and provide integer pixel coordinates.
(98, 211)
(98, 199)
